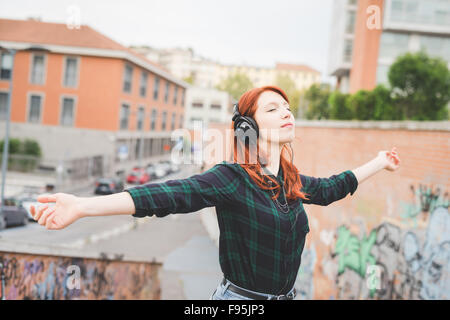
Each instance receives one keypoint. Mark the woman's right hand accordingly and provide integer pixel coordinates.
(59, 210)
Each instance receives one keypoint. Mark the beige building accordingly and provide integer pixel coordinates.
(183, 63)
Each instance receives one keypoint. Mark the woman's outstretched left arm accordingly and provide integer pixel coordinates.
(388, 160)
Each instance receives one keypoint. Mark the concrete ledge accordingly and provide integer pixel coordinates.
(384, 125)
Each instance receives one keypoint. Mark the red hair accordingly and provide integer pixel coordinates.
(247, 107)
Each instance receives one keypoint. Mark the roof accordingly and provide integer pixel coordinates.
(33, 31)
(295, 67)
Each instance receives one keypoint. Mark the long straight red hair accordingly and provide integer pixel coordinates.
(292, 183)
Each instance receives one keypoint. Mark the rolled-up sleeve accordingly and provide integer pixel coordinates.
(211, 188)
(323, 191)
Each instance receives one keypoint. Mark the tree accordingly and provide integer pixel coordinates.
(288, 85)
(421, 86)
(236, 85)
(339, 106)
(362, 105)
(317, 102)
(31, 148)
(189, 79)
(385, 109)
(14, 146)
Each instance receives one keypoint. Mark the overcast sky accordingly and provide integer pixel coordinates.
(253, 32)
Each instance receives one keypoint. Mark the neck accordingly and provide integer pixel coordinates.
(274, 153)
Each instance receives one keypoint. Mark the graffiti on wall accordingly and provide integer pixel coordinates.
(394, 262)
(65, 278)
(426, 200)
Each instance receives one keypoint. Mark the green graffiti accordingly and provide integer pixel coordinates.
(426, 200)
(354, 254)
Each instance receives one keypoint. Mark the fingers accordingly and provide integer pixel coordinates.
(45, 214)
(47, 198)
(39, 211)
(49, 222)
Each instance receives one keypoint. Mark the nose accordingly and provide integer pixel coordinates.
(285, 114)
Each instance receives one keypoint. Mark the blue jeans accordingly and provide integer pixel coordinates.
(222, 293)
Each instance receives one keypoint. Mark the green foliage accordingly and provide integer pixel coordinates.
(339, 109)
(317, 103)
(236, 85)
(288, 85)
(22, 155)
(31, 147)
(421, 86)
(14, 146)
(189, 79)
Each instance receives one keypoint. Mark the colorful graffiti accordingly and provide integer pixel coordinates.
(64, 278)
(409, 268)
(426, 200)
(406, 259)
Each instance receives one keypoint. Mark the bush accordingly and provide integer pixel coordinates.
(339, 109)
(23, 156)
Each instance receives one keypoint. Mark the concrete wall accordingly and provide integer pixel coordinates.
(391, 239)
(46, 277)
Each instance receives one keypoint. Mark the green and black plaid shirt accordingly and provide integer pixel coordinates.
(260, 248)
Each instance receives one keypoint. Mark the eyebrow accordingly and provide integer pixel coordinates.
(274, 103)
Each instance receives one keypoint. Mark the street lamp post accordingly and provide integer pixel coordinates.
(8, 115)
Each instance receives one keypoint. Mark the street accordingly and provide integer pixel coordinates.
(85, 230)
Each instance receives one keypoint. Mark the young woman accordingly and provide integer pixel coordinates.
(258, 197)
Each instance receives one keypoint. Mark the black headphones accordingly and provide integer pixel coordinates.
(243, 123)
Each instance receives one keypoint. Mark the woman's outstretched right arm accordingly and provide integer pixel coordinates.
(62, 209)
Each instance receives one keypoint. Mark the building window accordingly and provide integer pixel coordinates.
(124, 116)
(393, 44)
(164, 119)
(181, 122)
(166, 96)
(38, 69)
(351, 17)
(197, 104)
(143, 85)
(34, 111)
(172, 126)
(3, 105)
(127, 78)
(182, 98)
(215, 106)
(140, 118)
(70, 72)
(175, 95)
(156, 88)
(348, 47)
(67, 112)
(153, 119)
(6, 63)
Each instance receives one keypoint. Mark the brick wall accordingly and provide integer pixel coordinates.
(391, 239)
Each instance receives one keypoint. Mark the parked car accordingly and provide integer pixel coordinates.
(161, 170)
(13, 214)
(108, 186)
(138, 177)
(151, 170)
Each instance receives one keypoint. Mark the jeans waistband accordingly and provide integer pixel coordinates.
(254, 294)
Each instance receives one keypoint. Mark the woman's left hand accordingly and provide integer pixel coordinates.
(389, 159)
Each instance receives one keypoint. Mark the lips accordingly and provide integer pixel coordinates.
(287, 125)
